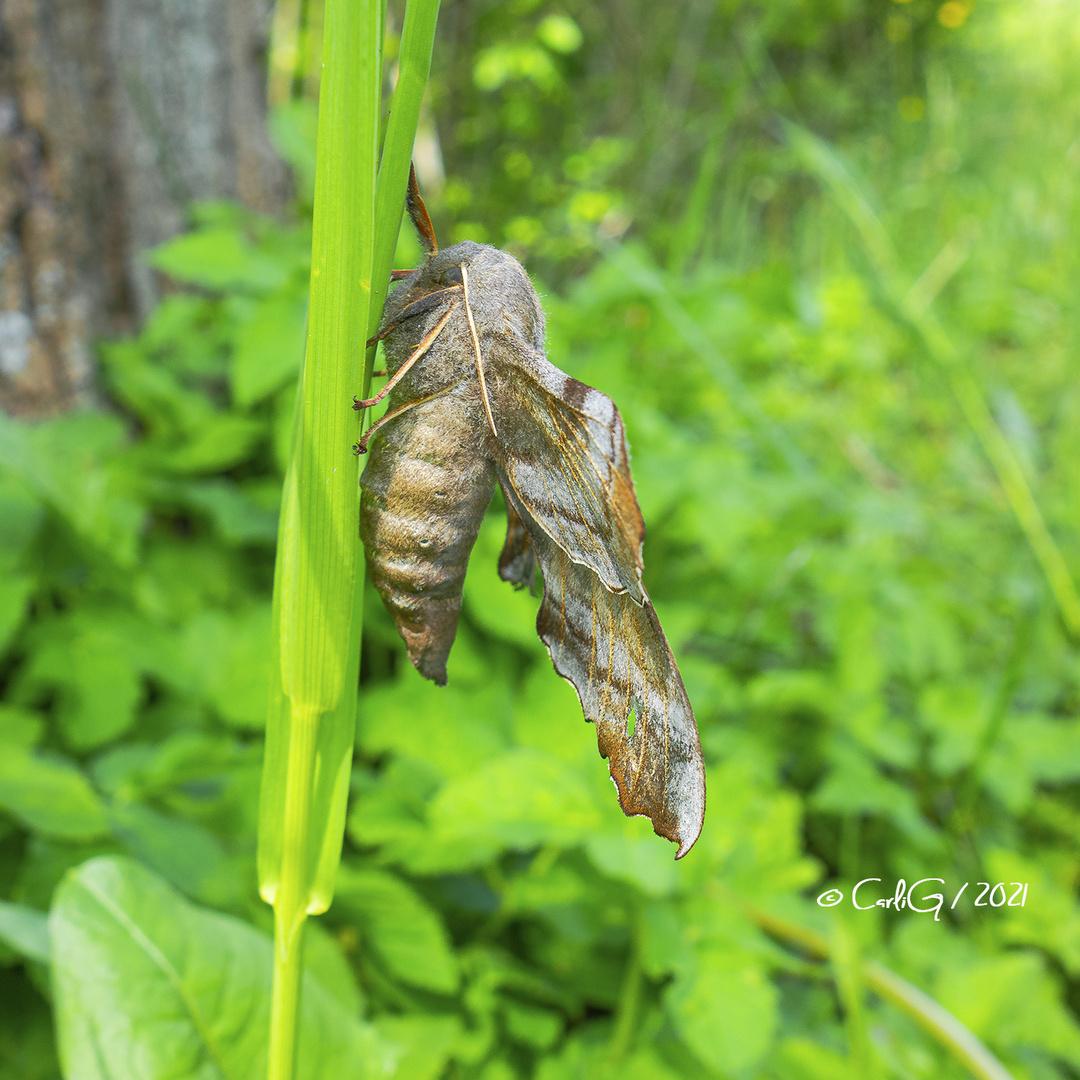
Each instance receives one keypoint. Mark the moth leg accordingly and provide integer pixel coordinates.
(361, 446)
(401, 372)
(380, 374)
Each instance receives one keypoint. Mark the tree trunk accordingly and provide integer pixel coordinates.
(114, 116)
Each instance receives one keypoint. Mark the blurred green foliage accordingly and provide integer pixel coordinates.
(880, 674)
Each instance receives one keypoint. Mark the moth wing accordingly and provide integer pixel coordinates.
(613, 650)
(517, 561)
(562, 449)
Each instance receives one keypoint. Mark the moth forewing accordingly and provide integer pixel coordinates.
(612, 649)
(564, 454)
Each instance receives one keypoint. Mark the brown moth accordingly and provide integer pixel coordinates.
(474, 402)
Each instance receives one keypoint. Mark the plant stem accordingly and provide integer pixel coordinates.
(290, 904)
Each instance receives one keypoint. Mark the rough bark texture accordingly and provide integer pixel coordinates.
(114, 116)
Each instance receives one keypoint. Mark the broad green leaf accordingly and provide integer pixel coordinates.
(423, 1041)
(237, 517)
(1052, 922)
(547, 717)
(220, 442)
(26, 930)
(518, 800)
(49, 795)
(292, 128)
(21, 515)
(727, 1012)
(150, 987)
(183, 852)
(405, 932)
(325, 960)
(269, 347)
(583, 1058)
(92, 667)
(532, 1025)
(450, 728)
(632, 852)
(855, 785)
(218, 258)
(226, 657)
(77, 466)
(20, 726)
(804, 1059)
(1011, 1000)
(15, 590)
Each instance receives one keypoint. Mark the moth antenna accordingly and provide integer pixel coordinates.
(417, 307)
(476, 351)
(418, 213)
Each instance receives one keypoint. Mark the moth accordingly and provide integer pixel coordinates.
(474, 402)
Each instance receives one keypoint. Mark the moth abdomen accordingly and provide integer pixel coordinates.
(424, 496)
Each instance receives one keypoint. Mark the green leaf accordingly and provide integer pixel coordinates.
(150, 987)
(99, 685)
(25, 929)
(20, 516)
(632, 852)
(20, 726)
(424, 1043)
(219, 258)
(220, 441)
(532, 1025)
(583, 1058)
(77, 466)
(407, 934)
(560, 33)
(292, 129)
(1011, 1000)
(183, 852)
(452, 729)
(269, 346)
(324, 959)
(49, 795)
(227, 657)
(237, 517)
(726, 1012)
(15, 590)
(521, 799)
(803, 1059)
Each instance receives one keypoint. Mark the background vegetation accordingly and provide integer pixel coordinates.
(883, 678)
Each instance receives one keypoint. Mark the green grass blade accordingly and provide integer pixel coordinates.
(417, 41)
(319, 561)
(316, 634)
(316, 572)
(318, 583)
